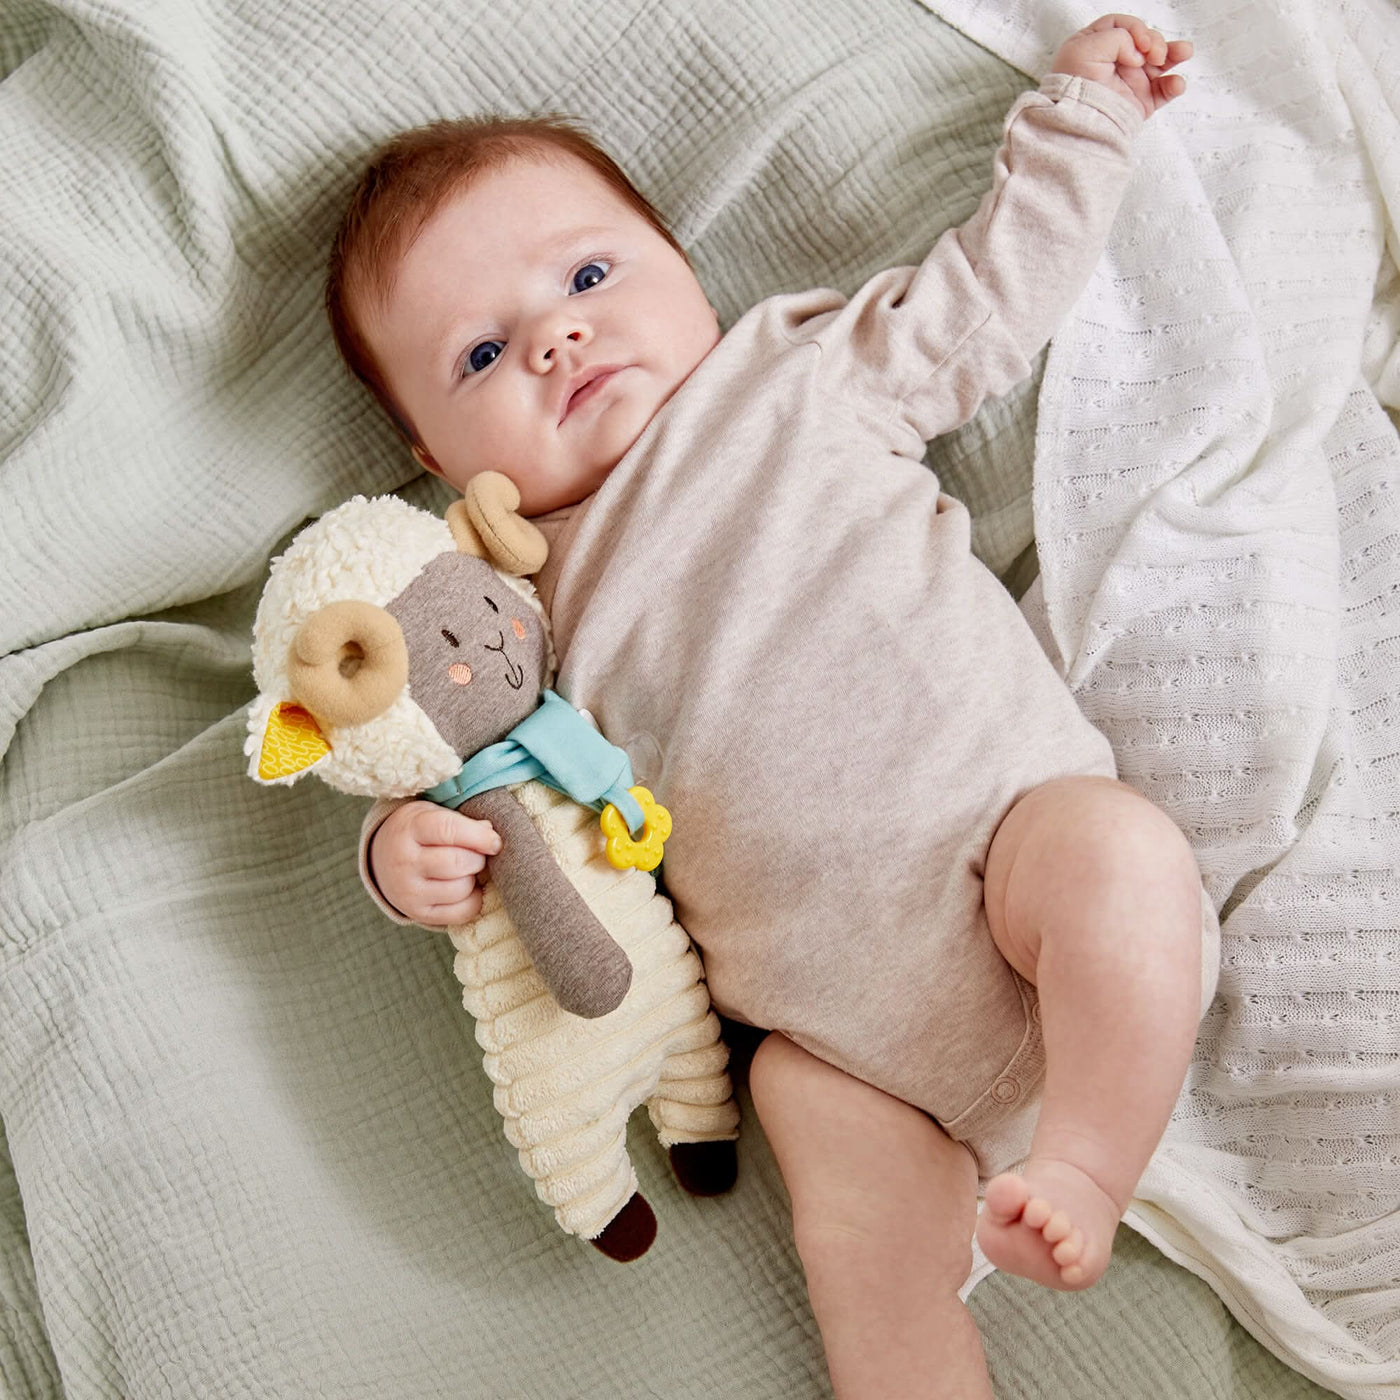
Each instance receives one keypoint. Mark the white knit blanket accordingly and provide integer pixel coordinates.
(1217, 508)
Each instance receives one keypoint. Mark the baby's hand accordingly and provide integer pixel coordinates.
(1122, 53)
(425, 860)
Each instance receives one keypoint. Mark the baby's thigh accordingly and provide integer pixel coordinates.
(869, 1175)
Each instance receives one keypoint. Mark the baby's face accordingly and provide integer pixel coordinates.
(521, 290)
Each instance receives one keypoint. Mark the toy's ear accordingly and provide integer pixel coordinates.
(291, 743)
(486, 523)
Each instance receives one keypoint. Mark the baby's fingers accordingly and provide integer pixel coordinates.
(1178, 52)
(450, 862)
(1161, 89)
(1138, 30)
(1167, 87)
(453, 912)
(1110, 44)
(441, 826)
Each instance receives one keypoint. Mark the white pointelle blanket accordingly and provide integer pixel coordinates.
(1217, 508)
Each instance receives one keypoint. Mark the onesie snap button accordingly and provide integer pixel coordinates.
(1006, 1091)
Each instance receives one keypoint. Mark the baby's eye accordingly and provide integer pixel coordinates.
(590, 274)
(481, 355)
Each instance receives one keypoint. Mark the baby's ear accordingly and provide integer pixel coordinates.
(425, 459)
(486, 522)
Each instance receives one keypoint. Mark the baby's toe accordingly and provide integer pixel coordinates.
(1069, 1249)
(1037, 1212)
(1057, 1228)
(1005, 1197)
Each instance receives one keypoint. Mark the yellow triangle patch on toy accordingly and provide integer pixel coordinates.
(292, 742)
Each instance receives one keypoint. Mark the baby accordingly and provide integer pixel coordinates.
(899, 845)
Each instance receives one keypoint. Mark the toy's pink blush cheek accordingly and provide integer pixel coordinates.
(460, 673)
(518, 628)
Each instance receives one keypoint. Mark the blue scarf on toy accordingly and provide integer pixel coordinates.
(561, 749)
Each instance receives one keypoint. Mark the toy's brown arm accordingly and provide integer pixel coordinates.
(575, 956)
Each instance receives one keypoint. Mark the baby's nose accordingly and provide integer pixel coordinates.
(548, 344)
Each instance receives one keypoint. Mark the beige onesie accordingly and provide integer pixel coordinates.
(771, 605)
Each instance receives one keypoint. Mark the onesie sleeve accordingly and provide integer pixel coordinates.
(933, 341)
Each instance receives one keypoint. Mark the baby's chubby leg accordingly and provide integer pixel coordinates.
(883, 1208)
(1092, 894)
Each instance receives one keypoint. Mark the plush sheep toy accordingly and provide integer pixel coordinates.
(389, 648)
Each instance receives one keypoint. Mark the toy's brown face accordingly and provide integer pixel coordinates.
(476, 651)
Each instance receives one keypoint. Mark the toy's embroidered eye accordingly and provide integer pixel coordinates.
(491, 605)
(452, 641)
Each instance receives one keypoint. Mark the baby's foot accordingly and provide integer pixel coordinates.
(1053, 1224)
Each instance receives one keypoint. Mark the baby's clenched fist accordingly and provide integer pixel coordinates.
(1124, 54)
(425, 859)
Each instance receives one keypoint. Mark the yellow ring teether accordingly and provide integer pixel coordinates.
(645, 851)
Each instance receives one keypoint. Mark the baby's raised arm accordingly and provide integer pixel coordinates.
(964, 324)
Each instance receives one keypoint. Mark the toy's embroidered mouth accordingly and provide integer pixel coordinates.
(515, 675)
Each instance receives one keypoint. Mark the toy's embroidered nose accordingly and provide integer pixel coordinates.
(519, 628)
(461, 673)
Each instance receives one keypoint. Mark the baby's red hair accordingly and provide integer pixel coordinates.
(407, 180)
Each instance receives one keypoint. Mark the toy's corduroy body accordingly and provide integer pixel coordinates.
(391, 646)
(566, 1086)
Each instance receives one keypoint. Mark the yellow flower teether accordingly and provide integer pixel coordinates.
(645, 852)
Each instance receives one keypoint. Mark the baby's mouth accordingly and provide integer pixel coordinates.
(596, 380)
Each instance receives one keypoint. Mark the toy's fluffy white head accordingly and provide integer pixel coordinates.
(367, 550)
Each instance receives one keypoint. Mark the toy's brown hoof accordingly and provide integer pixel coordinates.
(629, 1233)
(705, 1168)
